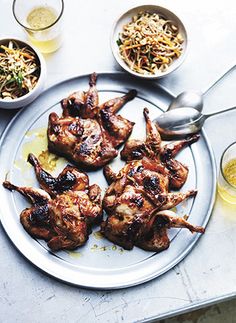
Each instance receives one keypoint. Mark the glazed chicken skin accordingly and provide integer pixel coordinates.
(63, 209)
(138, 199)
(89, 133)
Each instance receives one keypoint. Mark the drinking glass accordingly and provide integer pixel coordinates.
(227, 174)
(42, 20)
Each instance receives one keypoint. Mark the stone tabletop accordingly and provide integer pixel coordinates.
(207, 274)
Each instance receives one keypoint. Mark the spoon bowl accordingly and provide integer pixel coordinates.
(190, 99)
(194, 99)
(182, 122)
(179, 122)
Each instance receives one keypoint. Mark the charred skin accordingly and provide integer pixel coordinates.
(89, 134)
(63, 209)
(138, 199)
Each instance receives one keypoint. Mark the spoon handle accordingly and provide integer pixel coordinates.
(219, 79)
(217, 112)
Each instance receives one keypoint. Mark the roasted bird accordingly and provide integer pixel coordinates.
(88, 133)
(138, 199)
(63, 210)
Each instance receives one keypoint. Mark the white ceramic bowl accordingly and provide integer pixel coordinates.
(126, 17)
(32, 95)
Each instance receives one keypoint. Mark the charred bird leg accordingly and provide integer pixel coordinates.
(114, 105)
(171, 220)
(34, 195)
(153, 138)
(172, 149)
(109, 174)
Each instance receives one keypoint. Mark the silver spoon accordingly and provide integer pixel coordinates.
(194, 99)
(182, 122)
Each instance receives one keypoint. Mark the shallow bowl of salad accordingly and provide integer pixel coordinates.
(22, 73)
(149, 41)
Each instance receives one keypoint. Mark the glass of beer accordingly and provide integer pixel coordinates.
(42, 20)
(227, 175)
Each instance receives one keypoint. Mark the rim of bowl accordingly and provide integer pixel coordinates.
(38, 29)
(159, 9)
(41, 75)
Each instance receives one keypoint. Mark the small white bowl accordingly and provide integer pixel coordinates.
(32, 95)
(126, 18)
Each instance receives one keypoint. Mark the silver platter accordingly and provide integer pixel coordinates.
(100, 264)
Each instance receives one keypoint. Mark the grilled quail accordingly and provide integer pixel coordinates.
(88, 133)
(138, 199)
(63, 210)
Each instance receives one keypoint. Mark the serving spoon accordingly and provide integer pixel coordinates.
(182, 122)
(194, 99)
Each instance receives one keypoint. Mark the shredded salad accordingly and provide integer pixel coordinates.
(19, 71)
(149, 43)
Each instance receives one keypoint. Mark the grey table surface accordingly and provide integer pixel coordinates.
(207, 274)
